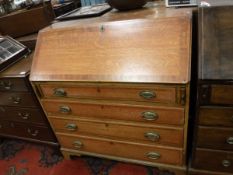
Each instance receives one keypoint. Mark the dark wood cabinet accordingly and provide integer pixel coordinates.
(213, 138)
(20, 113)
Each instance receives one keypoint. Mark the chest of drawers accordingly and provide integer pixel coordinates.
(213, 148)
(20, 113)
(118, 88)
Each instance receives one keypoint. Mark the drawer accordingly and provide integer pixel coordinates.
(126, 112)
(161, 94)
(121, 149)
(22, 115)
(17, 99)
(13, 84)
(216, 116)
(216, 94)
(120, 130)
(216, 138)
(213, 160)
(29, 131)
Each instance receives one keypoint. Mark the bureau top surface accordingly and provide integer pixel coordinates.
(151, 45)
(18, 69)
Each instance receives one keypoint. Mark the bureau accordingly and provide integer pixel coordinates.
(213, 140)
(20, 113)
(118, 86)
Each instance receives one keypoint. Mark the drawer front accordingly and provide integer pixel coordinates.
(216, 138)
(145, 114)
(147, 94)
(218, 116)
(17, 99)
(13, 84)
(216, 94)
(123, 131)
(213, 160)
(129, 150)
(29, 131)
(22, 115)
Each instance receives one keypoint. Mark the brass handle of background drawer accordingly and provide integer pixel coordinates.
(230, 140)
(150, 116)
(35, 133)
(65, 109)
(77, 144)
(71, 127)
(6, 85)
(59, 92)
(153, 136)
(153, 155)
(226, 163)
(15, 100)
(24, 116)
(147, 94)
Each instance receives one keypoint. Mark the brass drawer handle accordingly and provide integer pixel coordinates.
(153, 136)
(77, 144)
(35, 133)
(59, 92)
(24, 116)
(230, 140)
(147, 94)
(153, 155)
(71, 127)
(15, 100)
(65, 109)
(226, 163)
(150, 116)
(6, 85)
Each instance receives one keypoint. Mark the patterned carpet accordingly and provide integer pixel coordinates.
(23, 158)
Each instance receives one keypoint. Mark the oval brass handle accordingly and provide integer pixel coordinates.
(24, 116)
(147, 94)
(71, 127)
(16, 100)
(230, 140)
(59, 92)
(153, 136)
(35, 133)
(8, 85)
(150, 116)
(65, 109)
(226, 163)
(78, 144)
(153, 155)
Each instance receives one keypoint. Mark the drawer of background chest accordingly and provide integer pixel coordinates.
(14, 84)
(160, 94)
(128, 150)
(124, 131)
(215, 138)
(126, 112)
(30, 131)
(213, 160)
(216, 94)
(216, 116)
(17, 99)
(30, 115)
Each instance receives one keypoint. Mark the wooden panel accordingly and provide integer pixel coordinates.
(29, 131)
(122, 149)
(222, 94)
(13, 84)
(126, 112)
(122, 51)
(121, 131)
(216, 60)
(213, 160)
(22, 115)
(216, 116)
(215, 138)
(17, 99)
(160, 94)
